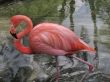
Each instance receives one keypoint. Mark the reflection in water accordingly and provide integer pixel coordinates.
(103, 10)
(67, 7)
(84, 36)
(72, 9)
(62, 11)
(93, 15)
(63, 6)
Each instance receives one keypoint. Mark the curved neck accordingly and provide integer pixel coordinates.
(23, 49)
(20, 35)
(27, 29)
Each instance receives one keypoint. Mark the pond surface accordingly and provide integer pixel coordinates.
(82, 18)
(89, 19)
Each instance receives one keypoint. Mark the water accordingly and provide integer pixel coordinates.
(87, 18)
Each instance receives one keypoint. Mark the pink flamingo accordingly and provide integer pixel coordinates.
(48, 38)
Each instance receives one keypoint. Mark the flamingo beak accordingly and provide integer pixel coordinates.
(13, 31)
(14, 35)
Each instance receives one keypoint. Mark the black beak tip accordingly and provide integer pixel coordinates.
(14, 35)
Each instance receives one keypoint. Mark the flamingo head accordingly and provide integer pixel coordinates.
(15, 21)
(13, 31)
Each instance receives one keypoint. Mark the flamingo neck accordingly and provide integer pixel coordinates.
(28, 28)
(23, 49)
(20, 35)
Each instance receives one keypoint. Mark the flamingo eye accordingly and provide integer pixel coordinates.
(12, 29)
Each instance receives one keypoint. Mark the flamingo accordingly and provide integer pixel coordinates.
(48, 38)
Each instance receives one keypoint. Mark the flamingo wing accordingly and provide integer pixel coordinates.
(56, 40)
(48, 43)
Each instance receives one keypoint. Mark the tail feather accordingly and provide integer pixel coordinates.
(85, 47)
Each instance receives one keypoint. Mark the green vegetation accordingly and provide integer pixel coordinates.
(38, 10)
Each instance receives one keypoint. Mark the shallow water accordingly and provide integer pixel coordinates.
(81, 16)
(82, 19)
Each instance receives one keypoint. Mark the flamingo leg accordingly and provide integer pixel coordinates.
(87, 63)
(58, 69)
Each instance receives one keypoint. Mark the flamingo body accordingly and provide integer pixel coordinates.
(54, 39)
